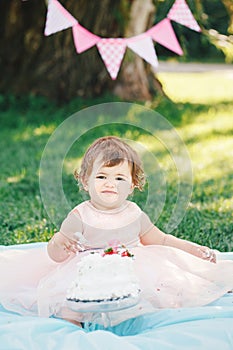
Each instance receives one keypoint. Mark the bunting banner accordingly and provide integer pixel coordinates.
(144, 47)
(180, 13)
(58, 18)
(83, 39)
(164, 34)
(112, 50)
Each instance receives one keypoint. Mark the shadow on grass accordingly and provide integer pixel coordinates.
(17, 112)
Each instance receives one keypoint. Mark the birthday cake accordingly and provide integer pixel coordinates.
(107, 276)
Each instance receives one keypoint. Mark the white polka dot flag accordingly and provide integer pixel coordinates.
(112, 51)
(143, 46)
(58, 18)
(181, 13)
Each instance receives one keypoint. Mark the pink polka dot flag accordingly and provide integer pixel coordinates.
(112, 51)
(181, 13)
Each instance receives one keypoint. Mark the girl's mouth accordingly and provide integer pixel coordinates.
(109, 192)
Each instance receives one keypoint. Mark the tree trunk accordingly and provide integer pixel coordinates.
(137, 79)
(31, 63)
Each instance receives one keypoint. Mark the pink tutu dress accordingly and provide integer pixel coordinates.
(33, 284)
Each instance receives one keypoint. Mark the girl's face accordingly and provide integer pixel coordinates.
(109, 187)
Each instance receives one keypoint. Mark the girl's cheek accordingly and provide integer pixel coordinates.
(124, 186)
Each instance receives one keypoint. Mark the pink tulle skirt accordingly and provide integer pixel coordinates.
(32, 284)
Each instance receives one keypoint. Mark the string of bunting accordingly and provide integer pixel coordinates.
(112, 50)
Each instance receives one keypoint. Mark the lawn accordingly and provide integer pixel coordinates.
(200, 109)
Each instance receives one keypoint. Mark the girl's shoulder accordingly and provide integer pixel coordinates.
(79, 207)
(133, 206)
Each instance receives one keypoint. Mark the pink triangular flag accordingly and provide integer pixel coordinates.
(58, 18)
(180, 13)
(143, 46)
(112, 51)
(164, 34)
(83, 39)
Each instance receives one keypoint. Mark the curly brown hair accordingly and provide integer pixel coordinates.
(113, 151)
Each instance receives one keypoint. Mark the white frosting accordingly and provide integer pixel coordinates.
(103, 278)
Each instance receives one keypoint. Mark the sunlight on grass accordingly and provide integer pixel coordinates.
(70, 164)
(210, 143)
(213, 122)
(219, 205)
(16, 178)
(211, 159)
(44, 129)
(25, 134)
(29, 132)
(198, 87)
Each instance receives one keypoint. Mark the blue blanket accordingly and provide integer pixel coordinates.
(203, 328)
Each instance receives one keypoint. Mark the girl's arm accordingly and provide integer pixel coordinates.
(155, 236)
(68, 241)
(61, 248)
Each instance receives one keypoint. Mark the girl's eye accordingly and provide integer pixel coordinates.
(101, 177)
(120, 178)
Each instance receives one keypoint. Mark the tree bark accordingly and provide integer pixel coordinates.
(31, 63)
(134, 80)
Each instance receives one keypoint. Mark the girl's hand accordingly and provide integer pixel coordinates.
(71, 246)
(61, 247)
(205, 253)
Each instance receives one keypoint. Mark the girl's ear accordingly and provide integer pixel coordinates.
(85, 184)
(131, 189)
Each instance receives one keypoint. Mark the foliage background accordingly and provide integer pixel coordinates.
(214, 17)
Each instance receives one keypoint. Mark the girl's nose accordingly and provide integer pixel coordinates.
(110, 183)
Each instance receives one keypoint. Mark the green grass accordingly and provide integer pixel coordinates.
(202, 113)
(204, 88)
